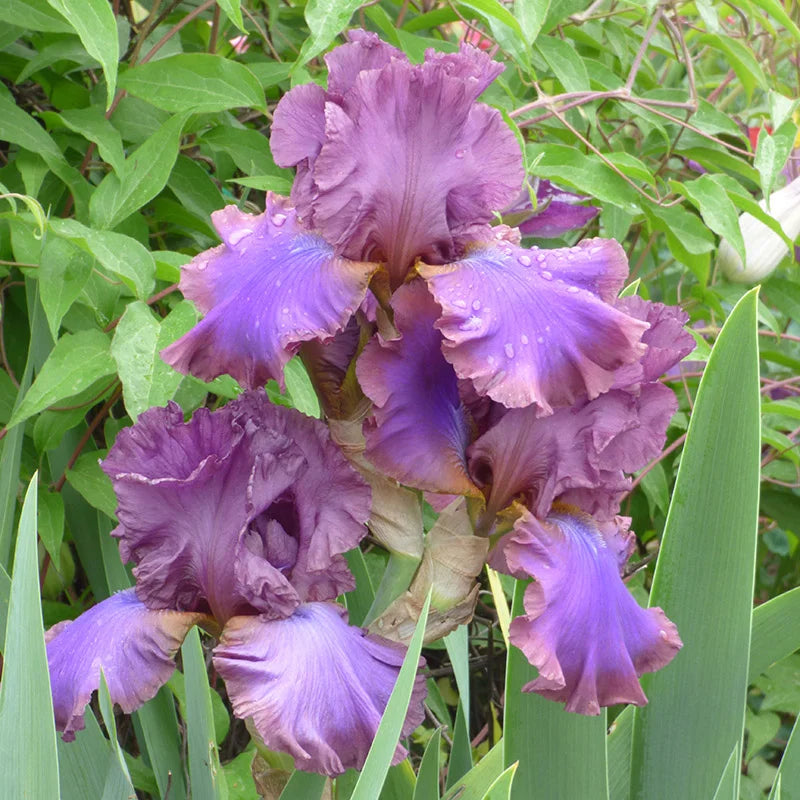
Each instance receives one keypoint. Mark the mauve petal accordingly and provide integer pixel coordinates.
(583, 630)
(535, 326)
(410, 160)
(364, 50)
(298, 128)
(315, 686)
(668, 342)
(269, 287)
(557, 219)
(133, 645)
(198, 503)
(420, 433)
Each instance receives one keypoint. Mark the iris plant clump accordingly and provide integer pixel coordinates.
(475, 367)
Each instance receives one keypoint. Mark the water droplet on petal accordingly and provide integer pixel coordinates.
(459, 154)
(523, 339)
(573, 290)
(548, 276)
(278, 283)
(490, 360)
(541, 258)
(540, 339)
(524, 260)
(201, 265)
(509, 349)
(278, 220)
(237, 236)
(476, 305)
(285, 310)
(459, 303)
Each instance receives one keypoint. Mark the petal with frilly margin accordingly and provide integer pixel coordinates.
(536, 326)
(420, 433)
(269, 287)
(315, 686)
(132, 644)
(582, 629)
(409, 162)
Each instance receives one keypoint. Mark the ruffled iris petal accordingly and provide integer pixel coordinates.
(560, 213)
(246, 508)
(269, 287)
(315, 686)
(132, 644)
(410, 162)
(535, 326)
(421, 432)
(583, 630)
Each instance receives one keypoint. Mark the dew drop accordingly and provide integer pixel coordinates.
(459, 154)
(663, 634)
(548, 276)
(285, 310)
(573, 290)
(278, 220)
(509, 349)
(237, 236)
(541, 258)
(523, 339)
(490, 360)
(278, 283)
(540, 339)
(471, 324)
(459, 303)
(201, 265)
(524, 260)
(476, 305)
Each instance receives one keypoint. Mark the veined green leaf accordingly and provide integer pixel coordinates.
(559, 754)
(531, 15)
(787, 781)
(64, 269)
(298, 384)
(233, 10)
(199, 82)
(93, 21)
(776, 632)
(565, 62)
(380, 754)
(707, 562)
(27, 723)
(326, 19)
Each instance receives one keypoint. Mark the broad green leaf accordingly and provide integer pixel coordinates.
(741, 60)
(771, 154)
(199, 82)
(78, 360)
(565, 62)
(92, 124)
(298, 384)
(427, 787)
(531, 15)
(380, 754)
(233, 10)
(689, 240)
(27, 721)
(269, 74)
(50, 522)
(221, 717)
(707, 562)
(205, 775)
(716, 209)
(359, 600)
(478, 781)
(559, 754)
(195, 190)
(325, 19)
(118, 779)
(248, 148)
(37, 14)
(83, 763)
(781, 108)
(787, 781)
(265, 183)
(785, 296)
(93, 485)
(761, 729)
(776, 632)
(619, 744)
(501, 789)
(93, 21)
(64, 269)
(145, 174)
(304, 786)
(727, 788)
(505, 29)
(776, 10)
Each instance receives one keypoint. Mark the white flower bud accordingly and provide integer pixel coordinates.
(764, 249)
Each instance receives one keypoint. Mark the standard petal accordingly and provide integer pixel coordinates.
(244, 509)
(363, 51)
(557, 212)
(269, 287)
(583, 630)
(315, 686)
(535, 326)
(132, 644)
(410, 161)
(421, 432)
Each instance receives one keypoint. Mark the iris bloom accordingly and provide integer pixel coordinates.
(237, 521)
(557, 211)
(509, 374)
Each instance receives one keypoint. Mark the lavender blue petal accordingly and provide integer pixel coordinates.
(315, 686)
(132, 644)
(269, 287)
(409, 162)
(582, 628)
(420, 431)
(536, 326)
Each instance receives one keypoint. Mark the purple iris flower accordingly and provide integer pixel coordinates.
(557, 210)
(237, 521)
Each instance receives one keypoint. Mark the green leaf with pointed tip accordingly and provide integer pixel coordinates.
(531, 15)
(93, 21)
(300, 389)
(460, 762)
(64, 269)
(478, 781)
(776, 632)
(559, 754)
(379, 758)
(303, 786)
(51, 523)
(233, 10)
(427, 787)
(787, 781)
(27, 722)
(704, 579)
(325, 19)
(205, 775)
(200, 82)
(501, 789)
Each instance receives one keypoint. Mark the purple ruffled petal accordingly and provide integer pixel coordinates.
(558, 211)
(269, 287)
(409, 162)
(363, 51)
(536, 326)
(583, 630)
(132, 644)
(315, 686)
(421, 432)
(244, 509)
